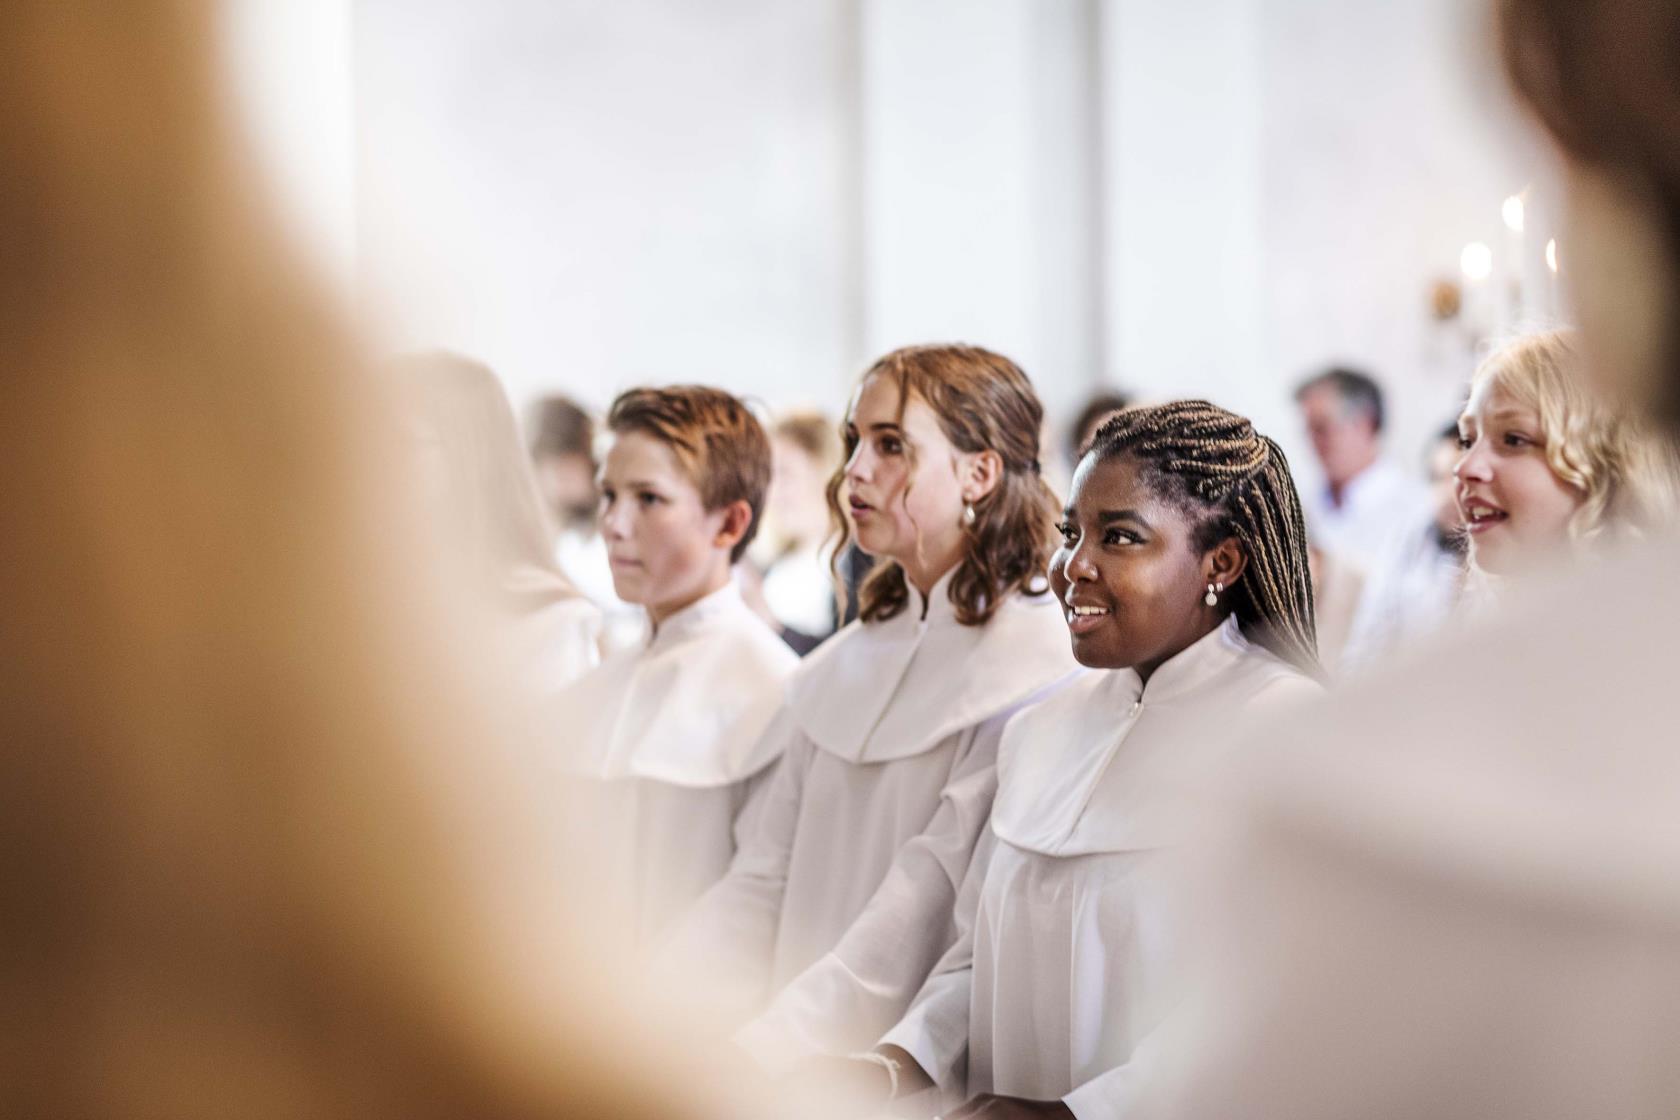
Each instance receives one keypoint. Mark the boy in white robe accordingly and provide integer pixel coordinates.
(667, 738)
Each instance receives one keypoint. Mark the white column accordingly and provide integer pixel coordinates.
(979, 182)
(1181, 121)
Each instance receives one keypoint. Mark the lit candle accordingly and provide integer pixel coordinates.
(1513, 211)
(1476, 262)
(1552, 269)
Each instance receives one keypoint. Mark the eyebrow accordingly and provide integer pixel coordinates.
(1109, 516)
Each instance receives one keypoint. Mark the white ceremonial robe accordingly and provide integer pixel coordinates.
(841, 898)
(1453, 891)
(558, 644)
(1063, 965)
(667, 746)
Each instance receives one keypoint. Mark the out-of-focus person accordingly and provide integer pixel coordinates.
(486, 508)
(272, 841)
(1454, 892)
(1098, 407)
(1418, 589)
(1355, 512)
(562, 444)
(792, 553)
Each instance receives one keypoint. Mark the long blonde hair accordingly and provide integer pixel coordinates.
(266, 847)
(1626, 473)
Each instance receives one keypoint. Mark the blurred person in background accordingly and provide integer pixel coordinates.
(791, 554)
(1097, 408)
(1354, 512)
(1362, 517)
(1454, 891)
(485, 506)
(1420, 588)
(562, 448)
(273, 840)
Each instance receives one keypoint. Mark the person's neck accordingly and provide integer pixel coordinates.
(1146, 669)
(659, 612)
(923, 577)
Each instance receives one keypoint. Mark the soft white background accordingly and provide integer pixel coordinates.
(1208, 197)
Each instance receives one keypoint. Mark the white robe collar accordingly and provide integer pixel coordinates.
(690, 706)
(1099, 766)
(882, 691)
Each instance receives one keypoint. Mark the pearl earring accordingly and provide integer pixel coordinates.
(1212, 597)
(968, 513)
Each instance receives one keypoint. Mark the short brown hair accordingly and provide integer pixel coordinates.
(983, 401)
(715, 437)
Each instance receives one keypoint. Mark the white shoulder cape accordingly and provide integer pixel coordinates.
(690, 707)
(881, 691)
(1099, 766)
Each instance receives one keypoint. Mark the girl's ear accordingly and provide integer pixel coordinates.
(737, 516)
(1225, 562)
(983, 471)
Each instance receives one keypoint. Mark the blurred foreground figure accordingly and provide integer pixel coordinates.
(267, 848)
(1456, 893)
(486, 511)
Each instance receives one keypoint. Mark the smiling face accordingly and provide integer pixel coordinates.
(906, 507)
(1514, 507)
(667, 550)
(1129, 575)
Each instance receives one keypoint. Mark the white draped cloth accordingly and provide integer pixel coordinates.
(1065, 960)
(666, 748)
(1454, 891)
(841, 896)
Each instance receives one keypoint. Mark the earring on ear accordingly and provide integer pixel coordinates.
(1212, 597)
(968, 514)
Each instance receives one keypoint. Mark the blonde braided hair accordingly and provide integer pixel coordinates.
(1213, 463)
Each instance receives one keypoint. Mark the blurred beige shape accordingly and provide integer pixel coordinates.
(1453, 893)
(273, 844)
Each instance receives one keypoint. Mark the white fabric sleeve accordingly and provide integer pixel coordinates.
(1122, 1092)
(848, 997)
(935, 1031)
(726, 940)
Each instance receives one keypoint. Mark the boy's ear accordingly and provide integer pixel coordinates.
(1225, 562)
(985, 469)
(737, 517)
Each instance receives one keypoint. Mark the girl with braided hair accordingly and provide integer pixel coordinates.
(1182, 575)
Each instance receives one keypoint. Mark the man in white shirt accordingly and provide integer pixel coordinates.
(1366, 500)
(1368, 509)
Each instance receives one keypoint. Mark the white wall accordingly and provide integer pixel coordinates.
(589, 195)
(1181, 196)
